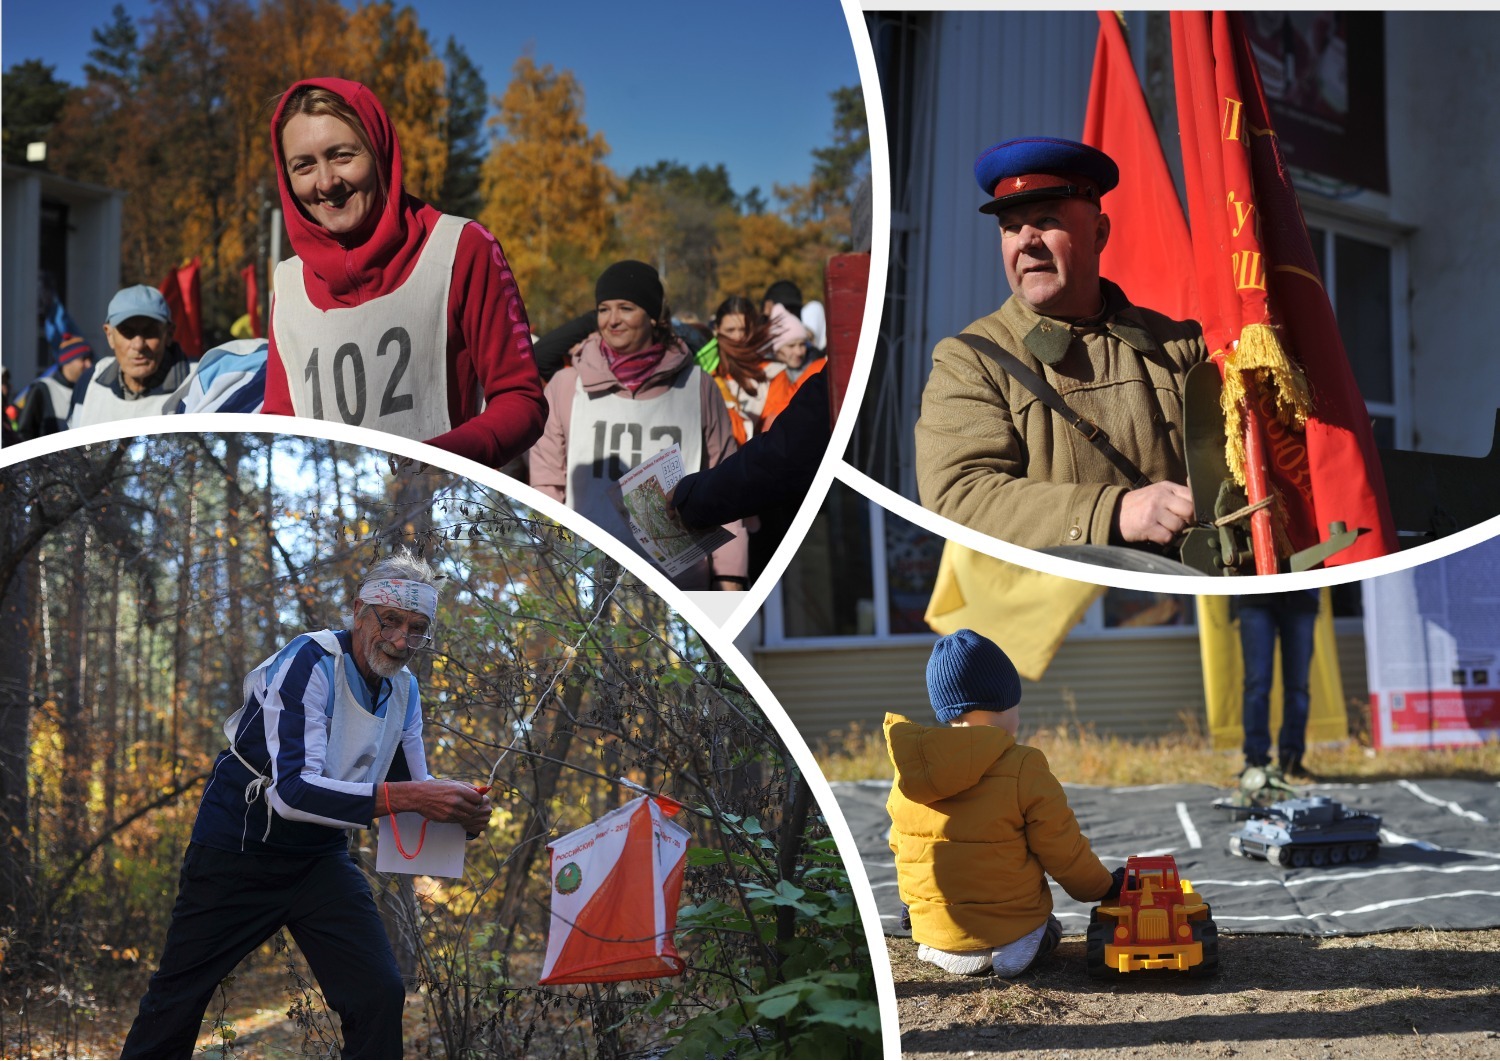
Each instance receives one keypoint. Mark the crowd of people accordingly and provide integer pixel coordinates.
(395, 316)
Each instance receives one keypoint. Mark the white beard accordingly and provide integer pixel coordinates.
(382, 664)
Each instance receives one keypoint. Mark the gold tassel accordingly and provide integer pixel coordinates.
(1260, 352)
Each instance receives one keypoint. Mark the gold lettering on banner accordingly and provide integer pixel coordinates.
(1288, 447)
(1249, 269)
(1233, 118)
(1242, 211)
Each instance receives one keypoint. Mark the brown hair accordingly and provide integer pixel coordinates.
(742, 361)
(313, 100)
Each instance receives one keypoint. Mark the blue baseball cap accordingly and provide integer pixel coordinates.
(138, 301)
(1033, 168)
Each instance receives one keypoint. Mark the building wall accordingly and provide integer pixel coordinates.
(1130, 687)
(995, 75)
(1440, 71)
(93, 262)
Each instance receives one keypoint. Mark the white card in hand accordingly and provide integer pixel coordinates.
(439, 854)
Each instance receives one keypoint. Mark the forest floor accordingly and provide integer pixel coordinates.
(1393, 995)
(254, 1007)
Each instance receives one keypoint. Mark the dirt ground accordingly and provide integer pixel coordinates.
(1394, 995)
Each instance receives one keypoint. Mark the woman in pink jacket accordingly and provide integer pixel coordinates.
(632, 390)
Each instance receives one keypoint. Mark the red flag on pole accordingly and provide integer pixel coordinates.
(252, 298)
(1149, 250)
(1290, 395)
(186, 303)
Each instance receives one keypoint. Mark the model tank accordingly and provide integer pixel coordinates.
(1313, 831)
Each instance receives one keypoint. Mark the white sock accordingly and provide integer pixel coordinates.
(962, 963)
(1012, 959)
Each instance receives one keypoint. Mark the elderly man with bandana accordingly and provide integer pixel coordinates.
(329, 738)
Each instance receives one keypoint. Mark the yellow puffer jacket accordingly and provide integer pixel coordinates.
(977, 820)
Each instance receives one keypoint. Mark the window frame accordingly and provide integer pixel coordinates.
(1396, 240)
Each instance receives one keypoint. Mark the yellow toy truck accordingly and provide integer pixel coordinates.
(1158, 922)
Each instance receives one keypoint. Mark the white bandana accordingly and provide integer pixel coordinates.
(401, 593)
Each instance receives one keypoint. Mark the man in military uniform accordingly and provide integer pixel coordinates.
(1057, 419)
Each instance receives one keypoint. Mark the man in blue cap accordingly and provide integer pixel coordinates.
(148, 373)
(1057, 419)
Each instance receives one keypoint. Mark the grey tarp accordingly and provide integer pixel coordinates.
(1439, 862)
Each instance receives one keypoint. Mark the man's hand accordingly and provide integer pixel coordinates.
(437, 801)
(1155, 513)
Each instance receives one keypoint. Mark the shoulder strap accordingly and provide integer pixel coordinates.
(1049, 397)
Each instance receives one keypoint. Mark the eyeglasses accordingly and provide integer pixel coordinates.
(389, 631)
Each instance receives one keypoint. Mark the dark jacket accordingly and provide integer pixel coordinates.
(771, 469)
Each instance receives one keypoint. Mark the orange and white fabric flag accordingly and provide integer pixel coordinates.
(615, 886)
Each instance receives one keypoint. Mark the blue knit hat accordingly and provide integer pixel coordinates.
(969, 672)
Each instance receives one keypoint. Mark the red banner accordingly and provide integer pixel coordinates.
(1265, 314)
(252, 299)
(1149, 248)
(186, 303)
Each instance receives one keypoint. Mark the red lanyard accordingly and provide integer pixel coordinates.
(396, 829)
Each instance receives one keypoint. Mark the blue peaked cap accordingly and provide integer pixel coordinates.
(1031, 168)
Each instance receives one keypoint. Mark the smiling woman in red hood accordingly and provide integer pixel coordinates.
(393, 315)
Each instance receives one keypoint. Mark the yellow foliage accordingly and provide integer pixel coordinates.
(397, 63)
(758, 249)
(548, 196)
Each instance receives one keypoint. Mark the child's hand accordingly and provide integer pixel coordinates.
(1118, 877)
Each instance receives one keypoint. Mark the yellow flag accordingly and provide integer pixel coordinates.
(1025, 612)
(1224, 677)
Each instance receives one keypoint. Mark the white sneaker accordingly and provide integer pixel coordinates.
(1013, 959)
(961, 963)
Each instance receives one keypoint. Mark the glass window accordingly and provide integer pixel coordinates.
(1363, 268)
(1136, 609)
(911, 563)
(1363, 303)
(828, 589)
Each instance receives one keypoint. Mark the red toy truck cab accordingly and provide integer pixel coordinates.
(1158, 922)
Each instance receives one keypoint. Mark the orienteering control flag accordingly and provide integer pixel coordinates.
(615, 885)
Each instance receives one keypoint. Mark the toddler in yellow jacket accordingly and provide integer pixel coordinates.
(978, 821)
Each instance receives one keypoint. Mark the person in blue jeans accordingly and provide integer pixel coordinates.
(1265, 617)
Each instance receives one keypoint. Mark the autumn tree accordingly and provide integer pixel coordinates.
(671, 216)
(390, 53)
(468, 99)
(548, 194)
(33, 102)
(759, 249)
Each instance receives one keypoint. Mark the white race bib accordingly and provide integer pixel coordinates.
(383, 364)
(609, 434)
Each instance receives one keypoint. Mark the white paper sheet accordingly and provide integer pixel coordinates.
(439, 854)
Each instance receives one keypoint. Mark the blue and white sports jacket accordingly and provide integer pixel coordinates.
(283, 731)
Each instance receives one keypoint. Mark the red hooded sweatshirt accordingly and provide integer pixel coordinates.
(489, 338)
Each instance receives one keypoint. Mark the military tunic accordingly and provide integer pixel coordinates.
(992, 456)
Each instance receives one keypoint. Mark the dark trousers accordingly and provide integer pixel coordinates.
(1260, 628)
(229, 903)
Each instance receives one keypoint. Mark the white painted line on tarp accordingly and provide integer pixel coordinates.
(1361, 874)
(1389, 837)
(1456, 808)
(1193, 839)
(1371, 908)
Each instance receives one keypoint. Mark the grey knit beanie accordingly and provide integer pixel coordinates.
(970, 672)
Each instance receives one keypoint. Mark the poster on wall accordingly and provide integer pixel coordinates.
(1324, 78)
(1432, 642)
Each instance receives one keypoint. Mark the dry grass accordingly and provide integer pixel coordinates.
(1079, 754)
